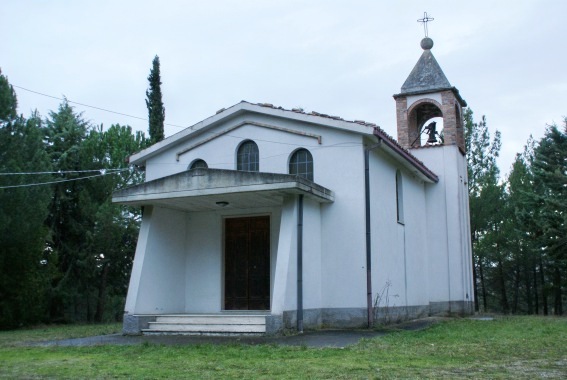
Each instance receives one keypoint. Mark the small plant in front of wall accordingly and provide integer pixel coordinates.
(384, 309)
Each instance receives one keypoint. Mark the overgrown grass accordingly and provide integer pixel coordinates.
(515, 347)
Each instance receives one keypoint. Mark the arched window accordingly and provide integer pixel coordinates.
(198, 164)
(301, 164)
(399, 197)
(248, 157)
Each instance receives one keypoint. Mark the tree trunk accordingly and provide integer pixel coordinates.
(482, 284)
(536, 294)
(516, 289)
(501, 280)
(101, 303)
(543, 287)
(557, 304)
(528, 290)
(475, 284)
(89, 311)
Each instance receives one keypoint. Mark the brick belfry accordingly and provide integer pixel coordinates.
(426, 94)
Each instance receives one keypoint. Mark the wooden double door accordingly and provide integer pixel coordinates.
(247, 263)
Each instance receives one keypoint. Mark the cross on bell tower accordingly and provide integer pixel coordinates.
(427, 94)
(425, 20)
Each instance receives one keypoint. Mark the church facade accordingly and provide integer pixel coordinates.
(261, 219)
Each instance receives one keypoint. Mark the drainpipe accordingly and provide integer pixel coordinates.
(369, 304)
(300, 263)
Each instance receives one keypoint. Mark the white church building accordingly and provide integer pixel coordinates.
(260, 219)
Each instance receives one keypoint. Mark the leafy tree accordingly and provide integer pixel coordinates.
(519, 227)
(156, 110)
(69, 216)
(92, 241)
(112, 242)
(8, 100)
(486, 199)
(523, 236)
(550, 179)
(23, 209)
(65, 249)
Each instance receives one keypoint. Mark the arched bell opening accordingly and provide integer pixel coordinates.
(432, 132)
(425, 124)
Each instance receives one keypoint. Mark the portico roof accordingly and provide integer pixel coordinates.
(214, 189)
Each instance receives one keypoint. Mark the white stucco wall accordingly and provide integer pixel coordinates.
(285, 279)
(204, 263)
(274, 146)
(312, 255)
(416, 232)
(342, 227)
(450, 269)
(284, 287)
(399, 252)
(160, 262)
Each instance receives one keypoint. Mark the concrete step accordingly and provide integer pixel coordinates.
(213, 319)
(212, 324)
(156, 326)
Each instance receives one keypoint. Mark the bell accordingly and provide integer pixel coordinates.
(431, 131)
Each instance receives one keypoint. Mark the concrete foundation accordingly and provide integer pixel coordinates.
(134, 324)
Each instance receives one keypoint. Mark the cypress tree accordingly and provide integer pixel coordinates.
(156, 110)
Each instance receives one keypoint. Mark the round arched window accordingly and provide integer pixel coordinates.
(198, 164)
(301, 164)
(248, 157)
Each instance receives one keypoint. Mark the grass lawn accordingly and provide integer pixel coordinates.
(508, 347)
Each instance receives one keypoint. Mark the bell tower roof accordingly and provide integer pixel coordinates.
(427, 74)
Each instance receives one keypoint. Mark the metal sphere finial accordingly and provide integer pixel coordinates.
(426, 43)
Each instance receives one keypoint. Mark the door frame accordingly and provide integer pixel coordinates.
(223, 269)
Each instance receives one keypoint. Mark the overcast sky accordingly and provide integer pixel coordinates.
(345, 58)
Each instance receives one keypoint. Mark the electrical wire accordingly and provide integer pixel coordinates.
(96, 108)
(145, 119)
(313, 147)
(65, 172)
(54, 182)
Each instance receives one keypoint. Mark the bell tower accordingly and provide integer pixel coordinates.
(427, 94)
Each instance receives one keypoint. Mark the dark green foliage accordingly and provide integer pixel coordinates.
(69, 215)
(550, 181)
(92, 241)
(518, 226)
(486, 200)
(112, 241)
(23, 275)
(8, 100)
(156, 110)
(65, 250)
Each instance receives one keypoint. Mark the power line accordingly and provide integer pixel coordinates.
(101, 171)
(96, 108)
(136, 117)
(53, 182)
